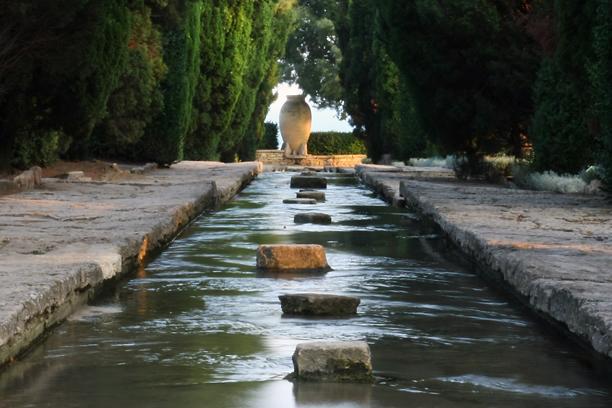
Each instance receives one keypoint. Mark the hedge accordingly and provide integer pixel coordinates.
(335, 143)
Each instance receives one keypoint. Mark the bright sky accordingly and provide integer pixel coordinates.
(322, 119)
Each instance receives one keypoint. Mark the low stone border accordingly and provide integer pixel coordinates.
(27, 180)
(277, 158)
(553, 251)
(62, 243)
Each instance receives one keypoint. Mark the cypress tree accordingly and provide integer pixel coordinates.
(469, 66)
(181, 30)
(138, 99)
(225, 58)
(57, 78)
(563, 138)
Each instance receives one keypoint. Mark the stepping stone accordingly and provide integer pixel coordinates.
(292, 258)
(312, 218)
(317, 195)
(299, 201)
(308, 182)
(314, 304)
(333, 361)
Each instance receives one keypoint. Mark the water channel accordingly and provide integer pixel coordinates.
(200, 327)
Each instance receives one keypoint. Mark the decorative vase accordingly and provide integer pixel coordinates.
(295, 122)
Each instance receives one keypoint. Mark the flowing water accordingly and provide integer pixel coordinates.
(199, 327)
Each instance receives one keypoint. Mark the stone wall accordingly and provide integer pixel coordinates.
(276, 157)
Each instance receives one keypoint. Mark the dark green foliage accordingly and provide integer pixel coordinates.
(225, 47)
(377, 95)
(313, 54)
(150, 76)
(562, 138)
(469, 66)
(38, 148)
(181, 44)
(270, 139)
(281, 25)
(272, 22)
(600, 75)
(59, 62)
(104, 54)
(240, 50)
(138, 99)
(326, 143)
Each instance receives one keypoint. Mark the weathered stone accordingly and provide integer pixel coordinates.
(8, 187)
(308, 182)
(292, 258)
(317, 195)
(312, 218)
(299, 201)
(46, 275)
(29, 178)
(333, 361)
(553, 251)
(319, 304)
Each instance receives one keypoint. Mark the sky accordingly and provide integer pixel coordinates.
(322, 119)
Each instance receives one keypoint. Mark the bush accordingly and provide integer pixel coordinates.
(165, 139)
(42, 148)
(335, 143)
(138, 99)
(270, 139)
(551, 181)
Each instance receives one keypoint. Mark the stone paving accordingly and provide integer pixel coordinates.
(554, 251)
(60, 242)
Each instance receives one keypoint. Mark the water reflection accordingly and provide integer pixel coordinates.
(199, 326)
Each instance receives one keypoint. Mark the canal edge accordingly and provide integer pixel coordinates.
(567, 312)
(47, 308)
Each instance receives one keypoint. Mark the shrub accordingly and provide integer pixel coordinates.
(435, 161)
(42, 148)
(270, 139)
(138, 100)
(335, 143)
(165, 139)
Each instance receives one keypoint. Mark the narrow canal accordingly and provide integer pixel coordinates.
(199, 327)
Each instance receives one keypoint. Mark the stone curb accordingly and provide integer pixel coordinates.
(70, 276)
(577, 299)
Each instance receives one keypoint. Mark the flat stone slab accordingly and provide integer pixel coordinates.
(317, 195)
(299, 201)
(312, 218)
(61, 240)
(553, 251)
(317, 304)
(292, 258)
(308, 182)
(333, 361)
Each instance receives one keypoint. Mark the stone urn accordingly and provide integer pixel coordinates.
(295, 122)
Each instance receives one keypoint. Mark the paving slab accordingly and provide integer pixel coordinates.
(62, 241)
(554, 251)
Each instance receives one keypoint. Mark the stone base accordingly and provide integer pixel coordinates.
(315, 304)
(277, 157)
(292, 258)
(333, 361)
